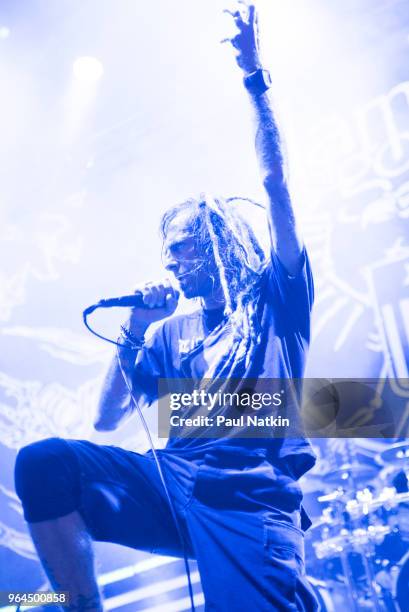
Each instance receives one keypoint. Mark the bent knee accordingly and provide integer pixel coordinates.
(38, 458)
(46, 478)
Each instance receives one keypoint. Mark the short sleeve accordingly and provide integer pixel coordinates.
(294, 295)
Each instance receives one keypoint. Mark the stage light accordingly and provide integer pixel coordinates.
(87, 69)
(4, 32)
(81, 93)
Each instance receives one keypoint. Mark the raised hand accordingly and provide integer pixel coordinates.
(246, 41)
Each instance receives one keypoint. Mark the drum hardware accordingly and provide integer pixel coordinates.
(396, 454)
(350, 474)
(401, 592)
(350, 541)
(335, 495)
(363, 535)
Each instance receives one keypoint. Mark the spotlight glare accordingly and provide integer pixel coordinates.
(87, 69)
(4, 32)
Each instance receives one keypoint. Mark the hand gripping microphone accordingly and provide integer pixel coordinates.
(135, 300)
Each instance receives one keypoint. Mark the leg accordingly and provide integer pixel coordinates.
(249, 549)
(74, 491)
(47, 481)
(64, 547)
(249, 562)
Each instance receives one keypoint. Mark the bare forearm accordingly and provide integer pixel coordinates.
(115, 403)
(273, 170)
(284, 237)
(267, 139)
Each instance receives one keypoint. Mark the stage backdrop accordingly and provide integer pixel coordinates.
(90, 160)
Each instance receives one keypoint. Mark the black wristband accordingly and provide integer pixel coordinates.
(130, 340)
(257, 82)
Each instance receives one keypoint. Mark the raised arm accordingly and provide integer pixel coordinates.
(285, 240)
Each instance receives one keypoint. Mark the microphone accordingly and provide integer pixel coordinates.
(135, 300)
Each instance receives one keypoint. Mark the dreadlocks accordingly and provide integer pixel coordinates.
(222, 235)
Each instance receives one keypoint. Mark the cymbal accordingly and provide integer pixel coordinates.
(311, 483)
(322, 522)
(397, 454)
(350, 473)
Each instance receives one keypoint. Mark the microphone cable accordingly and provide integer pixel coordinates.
(85, 314)
(162, 478)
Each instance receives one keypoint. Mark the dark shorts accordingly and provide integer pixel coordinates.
(249, 554)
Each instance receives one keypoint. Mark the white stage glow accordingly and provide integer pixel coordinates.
(88, 69)
(4, 32)
(86, 72)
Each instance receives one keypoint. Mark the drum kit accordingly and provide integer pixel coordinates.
(357, 551)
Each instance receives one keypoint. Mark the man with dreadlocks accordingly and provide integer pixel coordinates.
(235, 499)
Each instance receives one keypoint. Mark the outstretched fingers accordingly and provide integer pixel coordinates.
(234, 41)
(245, 14)
(253, 17)
(245, 39)
(237, 16)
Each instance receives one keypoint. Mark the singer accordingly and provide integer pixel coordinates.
(237, 500)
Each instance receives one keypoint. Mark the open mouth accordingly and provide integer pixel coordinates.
(183, 282)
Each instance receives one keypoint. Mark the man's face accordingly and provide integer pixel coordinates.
(196, 275)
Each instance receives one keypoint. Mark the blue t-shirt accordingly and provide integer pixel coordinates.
(194, 346)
